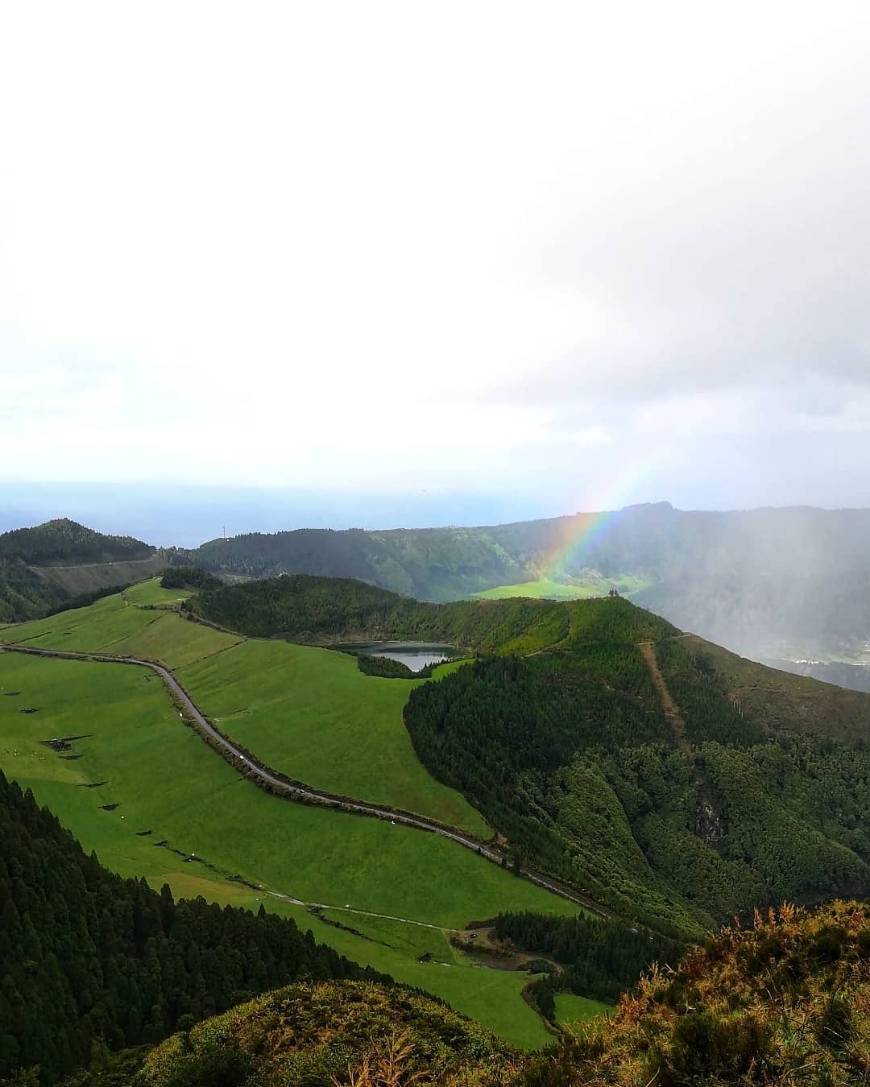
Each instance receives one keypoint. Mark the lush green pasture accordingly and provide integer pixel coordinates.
(152, 593)
(312, 714)
(576, 589)
(117, 626)
(165, 779)
(578, 1009)
(305, 711)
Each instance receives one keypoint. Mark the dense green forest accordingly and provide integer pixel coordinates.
(65, 541)
(330, 610)
(189, 577)
(569, 754)
(599, 958)
(90, 960)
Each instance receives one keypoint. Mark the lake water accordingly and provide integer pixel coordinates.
(414, 655)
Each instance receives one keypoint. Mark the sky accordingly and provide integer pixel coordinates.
(522, 258)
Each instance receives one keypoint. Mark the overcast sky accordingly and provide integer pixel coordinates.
(572, 254)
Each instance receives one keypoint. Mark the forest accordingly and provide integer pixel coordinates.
(65, 541)
(569, 755)
(324, 610)
(189, 577)
(600, 958)
(88, 959)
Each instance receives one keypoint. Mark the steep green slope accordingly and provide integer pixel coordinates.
(307, 712)
(746, 786)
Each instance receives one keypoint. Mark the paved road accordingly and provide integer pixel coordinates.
(296, 790)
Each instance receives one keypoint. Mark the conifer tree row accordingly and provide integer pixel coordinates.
(89, 959)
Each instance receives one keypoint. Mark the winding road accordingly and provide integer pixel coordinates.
(274, 782)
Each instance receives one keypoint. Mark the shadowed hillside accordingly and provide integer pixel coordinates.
(45, 567)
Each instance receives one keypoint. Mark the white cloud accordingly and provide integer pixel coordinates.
(335, 244)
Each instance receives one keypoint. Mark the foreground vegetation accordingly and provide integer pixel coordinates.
(785, 1003)
(758, 794)
(90, 960)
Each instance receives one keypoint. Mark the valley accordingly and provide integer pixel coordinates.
(598, 755)
(138, 770)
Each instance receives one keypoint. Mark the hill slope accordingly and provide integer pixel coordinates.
(663, 775)
(42, 568)
(785, 1003)
(769, 583)
(86, 956)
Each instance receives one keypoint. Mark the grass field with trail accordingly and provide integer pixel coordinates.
(577, 589)
(138, 755)
(307, 712)
(312, 714)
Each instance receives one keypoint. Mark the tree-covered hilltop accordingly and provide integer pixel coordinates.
(741, 800)
(88, 959)
(328, 610)
(189, 577)
(65, 541)
(26, 593)
(785, 1003)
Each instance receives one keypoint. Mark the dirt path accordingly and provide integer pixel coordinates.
(708, 818)
(274, 782)
(669, 707)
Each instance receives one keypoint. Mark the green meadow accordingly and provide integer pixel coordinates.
(152, 799)
(307, 712)
(573, 589)
(578, 1009)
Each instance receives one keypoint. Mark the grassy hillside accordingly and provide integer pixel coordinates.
(214, 825)
(165, 780)
(307, 712)
(575, 588)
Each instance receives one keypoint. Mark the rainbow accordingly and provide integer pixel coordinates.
(572, 537)
(576, 534)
